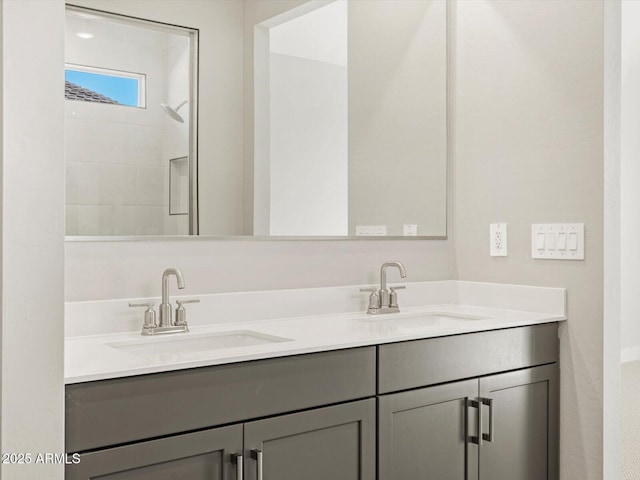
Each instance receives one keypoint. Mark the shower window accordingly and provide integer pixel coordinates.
(101, 85)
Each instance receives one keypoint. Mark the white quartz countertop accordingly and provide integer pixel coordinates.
(102, 356)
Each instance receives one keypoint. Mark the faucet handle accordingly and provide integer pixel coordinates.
(181, 313)
(393, 296)
(192, 300)
(149, 314)
(141, 304)
(374, 298)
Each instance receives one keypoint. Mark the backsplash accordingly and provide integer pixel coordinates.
(112, 316)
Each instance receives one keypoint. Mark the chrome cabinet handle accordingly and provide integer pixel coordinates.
(489, 437)
(473, 439)
(238, 460)
(257, 456)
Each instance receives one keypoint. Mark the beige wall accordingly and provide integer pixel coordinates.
(398, 115)
(529, 148)
(103, 270)
(397, 112)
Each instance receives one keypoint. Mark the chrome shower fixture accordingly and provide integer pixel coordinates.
(173, 112)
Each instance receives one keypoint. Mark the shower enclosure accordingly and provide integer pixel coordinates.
(130, 126)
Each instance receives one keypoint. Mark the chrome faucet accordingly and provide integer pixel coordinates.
(165, 306)
(383, 300)
(166, 325)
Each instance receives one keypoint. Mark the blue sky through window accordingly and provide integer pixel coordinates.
(121, 89)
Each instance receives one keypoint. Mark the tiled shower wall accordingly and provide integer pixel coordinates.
(117, 174)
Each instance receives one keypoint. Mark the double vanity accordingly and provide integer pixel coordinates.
(461, 383)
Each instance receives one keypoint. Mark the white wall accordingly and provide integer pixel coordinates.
(612, 241)
(256, 194)
(32, 401)
(176, 135)
(298, 86)
(308, 146)
(629, 187)
(308, 137)
(529, 148)
(116, 169)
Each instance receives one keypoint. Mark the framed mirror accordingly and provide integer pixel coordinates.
(312, 119)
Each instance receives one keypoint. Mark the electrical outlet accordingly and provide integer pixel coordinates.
(410, 230)
(498, 239)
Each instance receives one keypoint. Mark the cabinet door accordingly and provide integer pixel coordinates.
(336, 443)
(203, 455)
(425, 434)
(523, 443)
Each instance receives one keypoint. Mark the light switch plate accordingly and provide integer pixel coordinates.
(371, 230)
(498, 239)
(557, 241)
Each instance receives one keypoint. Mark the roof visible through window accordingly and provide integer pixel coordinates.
(89, 84)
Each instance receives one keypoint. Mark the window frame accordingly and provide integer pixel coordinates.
(140, 77)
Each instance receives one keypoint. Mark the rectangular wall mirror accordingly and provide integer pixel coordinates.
(298, 119)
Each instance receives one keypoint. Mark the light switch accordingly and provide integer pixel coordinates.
(562, 241)
(557, 241)
(371, 230)
(573, 241)
(551, 241)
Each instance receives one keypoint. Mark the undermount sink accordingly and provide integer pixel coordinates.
(418, 320)
(195, 342)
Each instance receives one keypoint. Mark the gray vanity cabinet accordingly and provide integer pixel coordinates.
(478, 406)
(433, 432)
(422, 434)
(434, 389)
(336, 443)
(206, 455)
(525, 434)
(312, 417)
